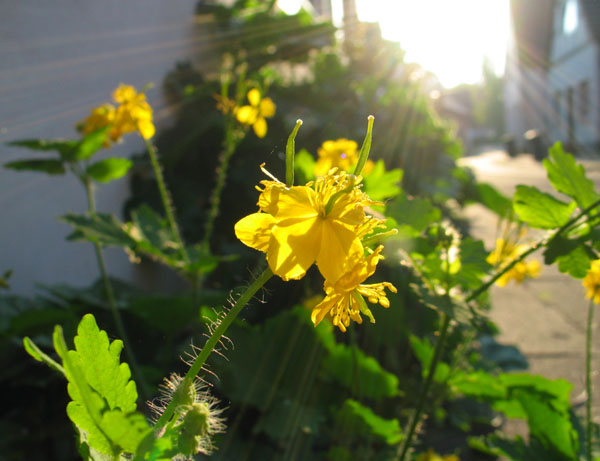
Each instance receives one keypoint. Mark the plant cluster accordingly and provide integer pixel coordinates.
(301, 376)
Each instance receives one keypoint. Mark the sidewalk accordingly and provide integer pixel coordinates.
(546, 317)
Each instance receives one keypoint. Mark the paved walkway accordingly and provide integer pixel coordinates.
(546, 317)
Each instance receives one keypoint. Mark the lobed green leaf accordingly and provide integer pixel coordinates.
(541, 210)
(568, 177)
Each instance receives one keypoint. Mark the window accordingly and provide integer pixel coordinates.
(557, 109)
(584, 101)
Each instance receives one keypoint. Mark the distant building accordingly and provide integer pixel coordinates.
(553, 72)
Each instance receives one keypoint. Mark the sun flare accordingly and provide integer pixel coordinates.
(448, 38)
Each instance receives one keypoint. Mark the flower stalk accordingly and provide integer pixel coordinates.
(214, 339)
(588, 381)
(166, 199)
(439, 347)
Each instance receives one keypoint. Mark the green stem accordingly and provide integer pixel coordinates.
(588, 380)
(215, 337)
(543, 242)
(229, 145)
(439, 347)
(166, 199)
(108, 290)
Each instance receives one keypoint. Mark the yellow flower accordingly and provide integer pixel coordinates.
(100, 117)
(343, 300)
(342, 154)
(133, 113)
(321, 222)
(433, 456)
(591, 282)
(254, 115)
(506, 252)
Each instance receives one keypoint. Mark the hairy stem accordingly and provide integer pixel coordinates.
(214, 339)
(588, 380)
(229, 146)
(110, 297)
(166, 199)
(439, 347)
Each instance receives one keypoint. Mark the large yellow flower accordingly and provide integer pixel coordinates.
(341, 153)
(506, 252)
(343, 300)
(591, 282)
(254, 115)
(321, 222)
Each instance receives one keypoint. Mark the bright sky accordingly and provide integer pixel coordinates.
(447, 37)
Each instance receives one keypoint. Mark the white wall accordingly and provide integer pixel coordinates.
(57, 60)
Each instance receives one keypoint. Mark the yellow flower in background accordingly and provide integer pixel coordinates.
(433, 456)
(132, 114)
(591, 282)
(100, 117)
(321, 222)
(506, 252)
(343, 301)
(255, 114)
(341, 153)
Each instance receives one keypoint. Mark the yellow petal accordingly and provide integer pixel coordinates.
(255, 230)
(254, 97)
(246, 115)
(146, 128)
(260, 127)
(124, 93)
(267, 108)
(292, 203)
(323, 308)
(340, 249)
(294, 248)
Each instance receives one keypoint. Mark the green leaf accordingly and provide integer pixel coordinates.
(473, 264)
(49, 166)
(576, 263)
(90, 144)
(568, 177)
(424, 352)
(65, 147)
(380, 184)
(32, 349)
(493, 200)
(103, 396)
(413, 214)
(350, 367)
(99, 360)
(101, 228)
(477, 384)
(541, 210)
(108, 169)
(355, 418)
(304, 164)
